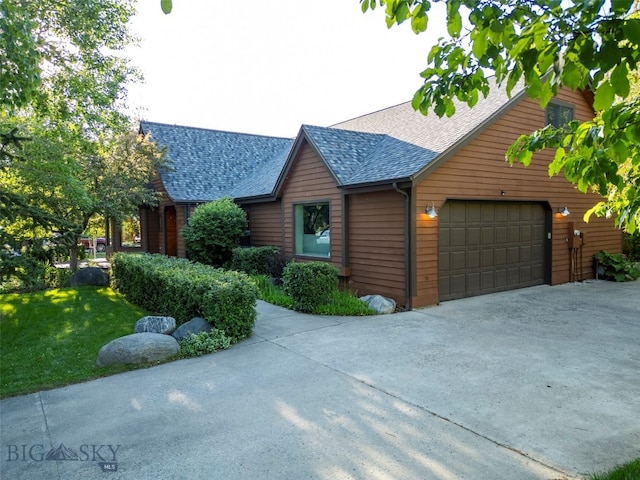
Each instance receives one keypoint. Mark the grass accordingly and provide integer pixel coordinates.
(51, 338)
(342, 303)
(628, 471)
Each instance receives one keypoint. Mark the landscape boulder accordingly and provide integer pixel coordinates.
(138, 348)
(193, 326)
(155, 324)
(379, 303)
(89, 276)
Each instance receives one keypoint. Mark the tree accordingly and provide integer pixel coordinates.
(64, 142)
(581, 44)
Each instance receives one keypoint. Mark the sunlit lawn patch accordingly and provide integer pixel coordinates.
(52, 338)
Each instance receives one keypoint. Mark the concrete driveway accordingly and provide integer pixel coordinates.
(539, 383)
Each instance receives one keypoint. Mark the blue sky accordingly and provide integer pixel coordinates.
(266, 67)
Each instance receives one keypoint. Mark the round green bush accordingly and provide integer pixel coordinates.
(214, 229)
(309, 284)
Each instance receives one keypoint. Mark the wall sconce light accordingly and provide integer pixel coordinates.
(564, 211)
(431, 211)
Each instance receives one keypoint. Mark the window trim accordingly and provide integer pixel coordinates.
(295, 223)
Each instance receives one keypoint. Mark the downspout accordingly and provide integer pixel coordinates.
(407, 248)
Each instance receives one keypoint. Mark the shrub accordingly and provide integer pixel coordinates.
(182, 289)
(213, 231)
(27, 273)
(203, 343)
(631, 245)
(253, 260)
(309, 284)
(616, 266)
(276, 264)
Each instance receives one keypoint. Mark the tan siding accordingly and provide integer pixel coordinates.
(479, 171)
(376, 244)
(310, 181)
(266, 224)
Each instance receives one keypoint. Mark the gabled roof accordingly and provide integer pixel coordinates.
(396, 144)
(211, 164)
(430, 131)
(359, 157)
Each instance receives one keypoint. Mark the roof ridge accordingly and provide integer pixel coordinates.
(174, 125)
(369, 113)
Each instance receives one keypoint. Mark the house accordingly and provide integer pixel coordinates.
(417, 208)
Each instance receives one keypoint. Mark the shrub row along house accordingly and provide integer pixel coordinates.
(417, 208)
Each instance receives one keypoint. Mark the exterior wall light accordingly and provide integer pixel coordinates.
(564, 211)
(431, 211)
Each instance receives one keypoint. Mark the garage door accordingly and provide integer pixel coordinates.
(488, 247)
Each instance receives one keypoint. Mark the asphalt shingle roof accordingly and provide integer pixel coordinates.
(393, 144)
(360, 157)
(211, 164)
(437, 134)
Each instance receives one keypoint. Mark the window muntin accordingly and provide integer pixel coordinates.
(312, 229)
(559, 115)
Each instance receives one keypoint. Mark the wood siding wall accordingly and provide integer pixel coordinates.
(377, 244)
(265, 223)
(479, 171)
(309, 181)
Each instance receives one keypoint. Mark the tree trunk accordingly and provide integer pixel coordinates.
(73, 257)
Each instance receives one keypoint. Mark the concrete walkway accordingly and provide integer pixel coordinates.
(539, 383)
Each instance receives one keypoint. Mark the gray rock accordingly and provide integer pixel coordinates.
(379, 303)
(155, 324)
(193, 326)
(138, 348)
(89, 276)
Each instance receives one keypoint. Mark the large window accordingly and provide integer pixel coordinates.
(312, 232)
(559, 115)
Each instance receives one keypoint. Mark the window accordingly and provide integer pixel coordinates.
(559, 115)
(312, 232)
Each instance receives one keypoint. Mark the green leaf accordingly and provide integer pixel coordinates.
(605, 94)
(571, 75)
(454, 20)
(621, 6)
(166, 6)
(419, 21)
(620, 80)
(631, 30)
(473, 98)
(480, 43)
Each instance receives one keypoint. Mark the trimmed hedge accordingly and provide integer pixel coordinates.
(253, 260)
(309, 284)
(182, 289)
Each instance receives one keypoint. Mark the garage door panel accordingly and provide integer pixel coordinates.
(458, 284)
(444, 237)
(473, 236)
(473, 282)
(490, 246)
(458, 261)
(513, 255)
(473, 259)
(443, 261)
(488, 282)
(487, 258)
(458, 237)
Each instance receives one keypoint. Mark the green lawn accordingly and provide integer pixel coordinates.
(628, 471)
(51, 338)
